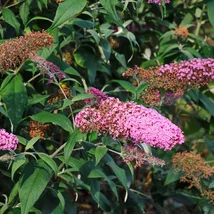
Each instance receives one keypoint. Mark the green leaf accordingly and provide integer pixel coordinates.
(57, 119)
(188, 18)
(193, 52)
(67, 10)
(35, 178)
(109, 6)
(22, 140)
(14, 192)
(3, 111)
(140, 89)
(209, 139)
(82, 23)
(37, 99)
(98, 173)
(101, 200)
(17, 163)
(100, 151)
(106, 48)
(87, 60)
(31, 143)
(207, 103)
(167, 34)
(138, 200)
(119, 172)
(14, 95)
(66, 103)
(11, 19)
(60, 207)
(210, 9)
(48, 160)
(171, 177)
(94, 35)
(6, 81)
(24, 11)
(82, 97)
(126, 85)
(38, 18)
(45, 2)
(121, 59)
(73, 139)
(76, 163)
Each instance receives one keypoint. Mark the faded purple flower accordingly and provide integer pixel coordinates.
(7, 140)
(134, 153)
(129, 121)
(98, 96)
(47, 67)
(158, 1)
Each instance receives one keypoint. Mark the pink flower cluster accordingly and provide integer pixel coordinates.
(47, 67)
(7, 141)
(129, 121)
(158, 1)
(194, 71)
(169, 82)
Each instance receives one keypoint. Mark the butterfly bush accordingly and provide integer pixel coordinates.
(7, 140)
(174, 79)
(47, 67)
(128, 121)
(15, 51)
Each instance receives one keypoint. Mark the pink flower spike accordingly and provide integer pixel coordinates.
(130, 122)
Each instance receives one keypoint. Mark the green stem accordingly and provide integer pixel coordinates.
(135, 191)
(32, 79)
(200, 20)
(110, 150)
(18, 69)
(11, 5)
(58, 150)
(65, 98)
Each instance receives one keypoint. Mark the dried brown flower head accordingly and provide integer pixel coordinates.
(181, 32)
(114, 42)
(193, 169)
(37, 129)
(67, 57)
(15, 51)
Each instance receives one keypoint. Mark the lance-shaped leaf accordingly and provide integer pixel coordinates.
(35, 178)
(57, 119)
(14, 95)
(67, 10)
